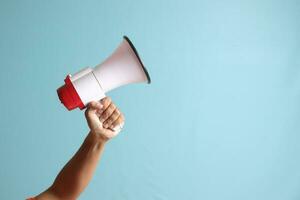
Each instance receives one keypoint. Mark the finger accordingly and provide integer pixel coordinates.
(96, 105)
(118, 121)
(107, 113)
(115, 115)
(92, 116)
(106, 102)
(92, 107)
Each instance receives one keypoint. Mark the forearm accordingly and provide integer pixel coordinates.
(77, 173)
(102, 118)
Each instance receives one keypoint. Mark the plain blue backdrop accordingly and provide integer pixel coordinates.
(220, 121)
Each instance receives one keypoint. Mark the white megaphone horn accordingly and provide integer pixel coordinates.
(124, 66)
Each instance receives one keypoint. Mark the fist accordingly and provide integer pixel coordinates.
(104, 118)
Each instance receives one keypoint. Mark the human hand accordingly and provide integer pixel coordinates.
(104, 118)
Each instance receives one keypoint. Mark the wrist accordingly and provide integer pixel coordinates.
(96, 137)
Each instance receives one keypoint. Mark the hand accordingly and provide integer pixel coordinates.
(104, 118)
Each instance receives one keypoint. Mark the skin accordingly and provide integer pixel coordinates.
(101, 117)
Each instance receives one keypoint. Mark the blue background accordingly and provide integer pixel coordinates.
(220, 120)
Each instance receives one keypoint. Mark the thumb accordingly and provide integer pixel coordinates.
(91, 114)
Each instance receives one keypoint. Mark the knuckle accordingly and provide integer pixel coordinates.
(122, 117)
(117, 111)
(116, 114)
(92, 104)
(115, 119)
(113, 116)
(107, 100)
(104, 101)
(116, 122)
(111, 110)
(120, 120)
(112, 106)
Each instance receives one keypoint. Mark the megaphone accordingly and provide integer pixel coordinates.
(123, 67)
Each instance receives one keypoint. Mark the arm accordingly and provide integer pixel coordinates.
(77, 173)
